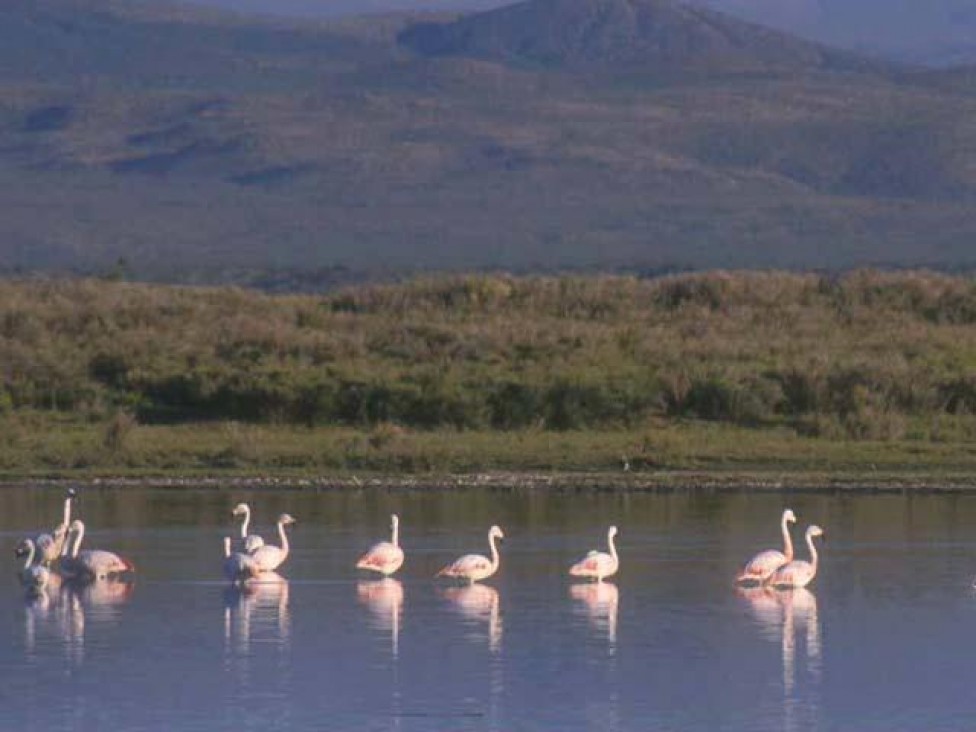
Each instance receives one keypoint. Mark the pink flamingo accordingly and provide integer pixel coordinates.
(475, 567)
(799, 573)
(269, 557)
(91, 564)
(384, 557)
(761, 566)
(597, 565)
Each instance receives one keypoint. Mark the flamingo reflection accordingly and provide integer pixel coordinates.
(384, 600)
(256, 610)
(786, 615)
(598, 601)
(478, 603)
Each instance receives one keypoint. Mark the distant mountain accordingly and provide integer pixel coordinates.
(934, 31)
(581, 134)
(649, 34)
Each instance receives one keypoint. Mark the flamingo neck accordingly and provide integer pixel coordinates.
(613, 548)
(787, 540)
(247, 521)
(396, 533)
(30, 555)
(67, 512)
(227, 547)
(813, 552)
(284, 537)
(494, 552)
(79, 535)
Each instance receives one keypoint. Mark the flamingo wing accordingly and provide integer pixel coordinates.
(383, 557)
(795, 574)
(269, 557)
(761, 566)
(100, 563)
(467, 566)
(593, 564)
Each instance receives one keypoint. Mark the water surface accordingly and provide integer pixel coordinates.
(885, 639)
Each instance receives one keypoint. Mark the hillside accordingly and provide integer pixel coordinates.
(622, 34)
(205, 147)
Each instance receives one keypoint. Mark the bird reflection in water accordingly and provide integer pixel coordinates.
(384, 600)
(789, 616)
(66, 608)
(598, 602)
(256, 611)
(478, 603)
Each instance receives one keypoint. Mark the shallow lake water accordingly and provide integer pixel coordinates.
(884, 639)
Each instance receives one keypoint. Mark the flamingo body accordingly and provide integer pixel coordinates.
(34, 577)
(385, 557)
(761, 567)
(598, 565)
(475, 567)
(238, 567)
(269, 557)
(799, 573)
(91, 564)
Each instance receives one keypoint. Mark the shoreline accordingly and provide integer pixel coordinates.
(515, 481)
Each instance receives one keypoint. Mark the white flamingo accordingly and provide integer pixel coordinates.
(475, 567)
(34, 577)
(760, 567)
(250, 542)
(51, 546)
(238, 567)
(385, 557)
(799, 573)
(269, 557)
(597, 565)
(91, 564)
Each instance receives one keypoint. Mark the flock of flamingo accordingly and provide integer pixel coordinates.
(59, 553)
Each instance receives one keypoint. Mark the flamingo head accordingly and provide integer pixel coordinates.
(240, 509)
(496, 532)
(788, 515)
(76, 526)
(815, 531)
(612, 532)
(23, 548)
(71, 493)
(285, 519)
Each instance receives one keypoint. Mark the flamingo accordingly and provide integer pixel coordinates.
(798, 573)
(34, 577)
(760, 567)
(250, 542)
(51, 546)
(597, 565)
(269, 557)
(238, 567)
(384, 557)
(474, 567)
(91, 564)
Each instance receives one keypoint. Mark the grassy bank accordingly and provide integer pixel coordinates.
(660, 453)
(867, 373)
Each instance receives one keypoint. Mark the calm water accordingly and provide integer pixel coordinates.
(884, 640)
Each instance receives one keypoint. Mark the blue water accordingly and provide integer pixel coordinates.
(883, 640)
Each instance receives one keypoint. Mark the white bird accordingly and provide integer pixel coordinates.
(91, 564)
(34, 577)
(799, 573)
(385, 557)
(51, 546)
(597, 565)
(474, 567)
(250, 542)
(238, 567)
(760, 567)
(269, 557)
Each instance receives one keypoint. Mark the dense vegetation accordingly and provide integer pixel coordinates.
(865, 355)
